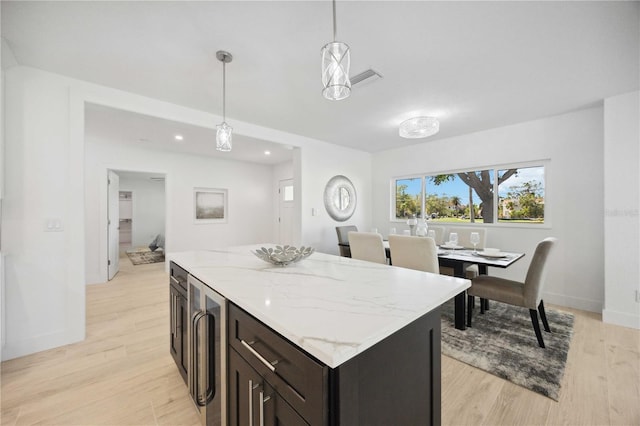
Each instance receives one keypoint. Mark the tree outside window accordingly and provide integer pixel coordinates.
(408, 198)
(470, 197)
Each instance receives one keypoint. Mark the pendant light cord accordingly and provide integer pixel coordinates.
(224, 85)
(335, 26)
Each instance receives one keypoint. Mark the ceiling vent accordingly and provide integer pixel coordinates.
(368, 76)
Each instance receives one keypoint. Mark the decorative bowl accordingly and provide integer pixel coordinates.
(283, 255)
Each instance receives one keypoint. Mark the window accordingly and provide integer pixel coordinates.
(492, 195)
(460, 197)
(521, 195)
(288, 193)
(408, 198)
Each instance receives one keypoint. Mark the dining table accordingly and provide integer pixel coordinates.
(459, 259)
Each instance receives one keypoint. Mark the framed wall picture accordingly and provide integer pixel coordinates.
(210, 205)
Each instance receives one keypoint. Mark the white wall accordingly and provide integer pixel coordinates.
(249, 196)
(318, 165)
(148, 208)
(574, 195)
(45, 179)
(282, 171)
(44, 271)
(621, 209)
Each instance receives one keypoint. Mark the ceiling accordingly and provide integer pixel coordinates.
(474, 65)
(145, 132)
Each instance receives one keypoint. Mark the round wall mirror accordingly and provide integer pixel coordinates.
(340, 198)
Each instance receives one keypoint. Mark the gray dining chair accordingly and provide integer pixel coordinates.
(440, 232)
(527, 294)
(343, 239)
(464, 239)
(418, 253)
(367, 246)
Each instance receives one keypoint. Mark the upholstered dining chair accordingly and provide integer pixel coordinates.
(367, 246)
(414, 253)
(343, 239)
(439, 231)
(464, 239)
(527, 294)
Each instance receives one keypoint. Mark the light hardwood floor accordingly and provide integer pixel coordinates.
(122, 374)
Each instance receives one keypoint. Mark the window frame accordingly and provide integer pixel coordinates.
(545, 163)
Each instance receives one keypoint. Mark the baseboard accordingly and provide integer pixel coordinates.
(572, 302)
(621, 318)
(37, 344)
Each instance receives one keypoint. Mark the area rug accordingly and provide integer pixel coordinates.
(502, 342)
(141, 257)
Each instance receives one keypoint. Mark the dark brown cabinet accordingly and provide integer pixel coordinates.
(396, 381)
(253, 401)
(178, 318)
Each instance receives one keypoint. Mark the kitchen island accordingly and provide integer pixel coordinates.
(329, 340)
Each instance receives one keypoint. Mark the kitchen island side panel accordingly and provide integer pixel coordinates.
(397, 381)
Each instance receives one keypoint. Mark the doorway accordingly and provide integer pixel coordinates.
(136, 215)
(285, 211)
(126, 220)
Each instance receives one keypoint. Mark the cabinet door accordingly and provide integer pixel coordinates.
(277, 412)
(253, 402)
(244, 384)
(182, 316)
(175, 335)
(178, 330)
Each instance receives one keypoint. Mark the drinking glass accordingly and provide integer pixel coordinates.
(474, 237)
(392, 231)
(453, 239)
(431, 234)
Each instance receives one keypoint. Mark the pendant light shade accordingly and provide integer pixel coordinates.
(224, 132)
(336, 60)
(224, 137)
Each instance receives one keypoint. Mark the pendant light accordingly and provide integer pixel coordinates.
(223, 135)
(336, 59)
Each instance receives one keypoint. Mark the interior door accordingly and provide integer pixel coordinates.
(285, 218)
(113, 220)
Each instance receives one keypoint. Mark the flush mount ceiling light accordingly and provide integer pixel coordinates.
(223, 135)
(336, 60)
(419, 127)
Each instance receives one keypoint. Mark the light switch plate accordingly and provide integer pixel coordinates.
(53, 225)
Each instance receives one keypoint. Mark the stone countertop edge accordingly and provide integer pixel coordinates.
(331, 307)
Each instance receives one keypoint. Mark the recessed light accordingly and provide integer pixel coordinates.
(267, 153)
(178, 137)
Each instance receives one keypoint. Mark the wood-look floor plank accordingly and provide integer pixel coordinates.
(123, 373)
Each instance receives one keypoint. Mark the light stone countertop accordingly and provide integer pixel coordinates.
(332, 307)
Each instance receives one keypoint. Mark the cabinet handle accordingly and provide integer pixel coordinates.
(172, 315)
(262, 401)
(175, 315)
(269, 365)
(196, 361)
(175, 280)
(251, 389)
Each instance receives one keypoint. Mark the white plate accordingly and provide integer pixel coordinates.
(444, 246)
(491, 255)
